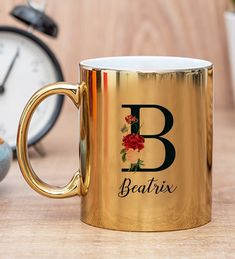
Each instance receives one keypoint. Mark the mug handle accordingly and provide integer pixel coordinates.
(74, 92)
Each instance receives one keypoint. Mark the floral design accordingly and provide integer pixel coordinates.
(130, 119)
(134, 141)
(133, 144)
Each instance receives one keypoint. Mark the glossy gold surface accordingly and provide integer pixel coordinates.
(188, 96)
(112, 195)
(73, 187)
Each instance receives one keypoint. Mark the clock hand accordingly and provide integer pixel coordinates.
(2, 86)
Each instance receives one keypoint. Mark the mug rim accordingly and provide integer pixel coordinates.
(146, 64)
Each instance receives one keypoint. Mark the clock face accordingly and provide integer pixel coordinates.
(25, 67)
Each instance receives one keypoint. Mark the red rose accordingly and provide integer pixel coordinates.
(134, 141)
(130, 119)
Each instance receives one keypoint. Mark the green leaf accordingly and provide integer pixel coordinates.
(134, 167)
(124, 128)
(140, 162)
(124, 157)
(123, 151)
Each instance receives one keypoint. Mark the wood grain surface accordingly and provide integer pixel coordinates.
(32, 226)
(91, 28)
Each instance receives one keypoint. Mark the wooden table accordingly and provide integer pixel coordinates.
(32, 226)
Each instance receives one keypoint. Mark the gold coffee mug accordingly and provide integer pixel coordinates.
(145, 142)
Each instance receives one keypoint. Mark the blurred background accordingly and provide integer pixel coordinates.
(91, 28)
(31, 225)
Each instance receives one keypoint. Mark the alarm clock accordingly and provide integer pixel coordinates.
(27, 64)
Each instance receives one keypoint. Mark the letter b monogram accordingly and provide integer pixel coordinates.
(169, 148)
